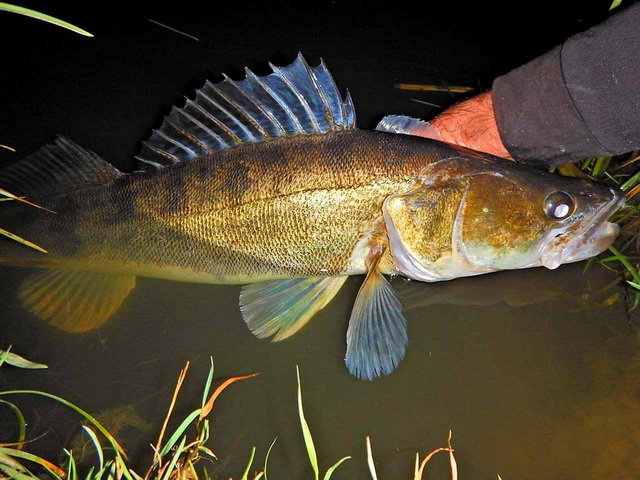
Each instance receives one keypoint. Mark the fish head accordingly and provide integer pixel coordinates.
(484, 216)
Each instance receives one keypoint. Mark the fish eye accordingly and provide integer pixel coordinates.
(558, 205)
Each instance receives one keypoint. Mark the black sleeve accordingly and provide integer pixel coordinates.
(580, 99)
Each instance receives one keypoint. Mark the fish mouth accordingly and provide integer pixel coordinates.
(588, 239)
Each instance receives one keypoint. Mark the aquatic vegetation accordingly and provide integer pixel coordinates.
(176, 458)
(6, 356)
(621, 172)
(9, 196)
(114, 420)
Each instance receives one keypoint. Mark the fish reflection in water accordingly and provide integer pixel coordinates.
(568, 286)
(267, 182)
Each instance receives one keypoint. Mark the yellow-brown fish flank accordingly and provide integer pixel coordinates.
(298, 209)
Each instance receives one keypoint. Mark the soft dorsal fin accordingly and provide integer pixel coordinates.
(293, 100)
(56, 168)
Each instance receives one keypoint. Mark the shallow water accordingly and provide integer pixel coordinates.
(533, 374)
(535, 384)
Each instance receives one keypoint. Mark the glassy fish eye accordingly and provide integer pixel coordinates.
(558, 205)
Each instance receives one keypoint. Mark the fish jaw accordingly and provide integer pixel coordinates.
(589, 238)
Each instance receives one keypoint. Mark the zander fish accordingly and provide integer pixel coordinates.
(268, 182)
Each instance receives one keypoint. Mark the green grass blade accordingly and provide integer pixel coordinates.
(12, 463)
(630, 182)
(266, 458)
(306, 432)
(16, 474)
(50, 467)
(207, 385)
(174, 459)
(72, 472)
(96, 444)
(4, 355)
(21, 240)
(601, 165)
(626, 263)
(114, 443)
(179, 431)
(128, 474)
(587, 163)
(18, 361)
(327, 476)
(21, 421)
(41, 16)
(614, 4)
(245, 475)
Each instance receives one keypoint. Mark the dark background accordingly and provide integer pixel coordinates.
(494, 373)
(108, 92)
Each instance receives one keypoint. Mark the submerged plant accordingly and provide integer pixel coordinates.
(622, 173)
(10, 358)
(175, 458)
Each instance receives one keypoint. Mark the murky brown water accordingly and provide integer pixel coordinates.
(539, 383)
(534, 376)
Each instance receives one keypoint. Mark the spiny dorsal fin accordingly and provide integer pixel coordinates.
(293, 100)
(56, 168)
(405, 125)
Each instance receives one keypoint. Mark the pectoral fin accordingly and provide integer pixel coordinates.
(280, 308)
(377, 333)
(75, 301)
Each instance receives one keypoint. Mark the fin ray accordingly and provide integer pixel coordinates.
(293, 100)
(280, 308)
(377, 333)
(54, 168)
(75, 301)
(404, 124)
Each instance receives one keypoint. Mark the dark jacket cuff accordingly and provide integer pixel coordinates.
(537, 119)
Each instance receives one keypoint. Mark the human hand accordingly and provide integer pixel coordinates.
(471, 124)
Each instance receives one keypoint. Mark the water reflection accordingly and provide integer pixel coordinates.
(533, 381)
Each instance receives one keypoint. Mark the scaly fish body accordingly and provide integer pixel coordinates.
(268, 182)
(287, 208)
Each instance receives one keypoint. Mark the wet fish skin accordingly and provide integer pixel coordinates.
(287, 208)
